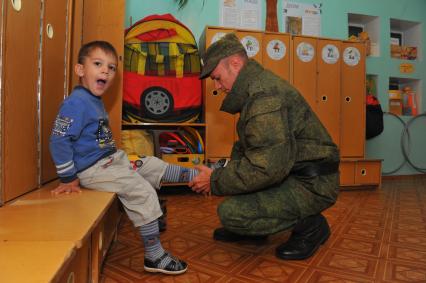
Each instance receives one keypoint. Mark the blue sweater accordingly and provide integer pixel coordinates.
(81, 135)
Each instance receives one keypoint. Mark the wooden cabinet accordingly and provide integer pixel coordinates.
(360, 172)
(269, 49)
(316, 74)
(329, 73)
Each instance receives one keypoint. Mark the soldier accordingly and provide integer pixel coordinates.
(283, 170)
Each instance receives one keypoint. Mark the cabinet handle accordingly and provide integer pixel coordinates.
(348, 99)
(49, 31)
(215, 92)
(363, 172)
(324, 98)
(16, 4)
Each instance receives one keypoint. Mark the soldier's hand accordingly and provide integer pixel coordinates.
(201, 182)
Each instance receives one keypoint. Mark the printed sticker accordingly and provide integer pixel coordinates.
(330, 54)
(276, 49)
(351, 56)
(305, 52)
(251, 45)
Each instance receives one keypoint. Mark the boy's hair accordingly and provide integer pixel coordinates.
(87, 48)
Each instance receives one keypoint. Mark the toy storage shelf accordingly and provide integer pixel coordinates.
(369, 24)
(406, 35)
(414, 84)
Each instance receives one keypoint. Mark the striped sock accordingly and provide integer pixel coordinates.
(151, 239)
(178, 174)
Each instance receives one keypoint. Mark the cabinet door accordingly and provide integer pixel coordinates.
(347, 173)
(252, 42)
(368, 172)
(275, 54)
(352, 135)
(104, 20)
(19, 127)
(220, 126)
(305, 68)
(328, 86)
(54, 74)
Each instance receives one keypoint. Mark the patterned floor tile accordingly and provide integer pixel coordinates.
(377, 236)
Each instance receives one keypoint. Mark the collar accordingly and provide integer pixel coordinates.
(237, 97)
(86, 90)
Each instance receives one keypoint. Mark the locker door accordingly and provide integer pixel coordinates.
(328, 86)
(305, 68)
(220, 126)
(53, 77)
(19, 129)
(105, 20)
(275, 57)
(252, 42)
(352, 139)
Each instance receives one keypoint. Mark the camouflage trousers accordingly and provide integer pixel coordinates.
(279, 207)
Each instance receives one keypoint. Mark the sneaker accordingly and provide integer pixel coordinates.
(223, 235)
(175, 266)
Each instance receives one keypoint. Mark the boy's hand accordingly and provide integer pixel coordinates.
(201, 182)
(67, 188)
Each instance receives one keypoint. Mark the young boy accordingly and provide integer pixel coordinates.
(84, 153)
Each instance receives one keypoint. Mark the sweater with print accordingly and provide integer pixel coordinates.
(81, 135)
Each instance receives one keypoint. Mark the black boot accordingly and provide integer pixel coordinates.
(308, 234)
(223, 235)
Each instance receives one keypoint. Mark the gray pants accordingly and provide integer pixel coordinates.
(134, 188)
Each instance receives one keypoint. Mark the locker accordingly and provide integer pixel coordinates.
(19, 102)
(352, 139)
(220, 126)
(275, 54)
(54, 70)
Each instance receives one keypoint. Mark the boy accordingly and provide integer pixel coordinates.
(84, 152)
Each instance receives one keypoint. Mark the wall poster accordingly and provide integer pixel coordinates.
(304, 19)
(245, 14)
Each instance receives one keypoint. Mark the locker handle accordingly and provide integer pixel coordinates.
(363, 172)
(348, 99)
(215, 92)
(16, 4)
(324, 98)
(49, 31)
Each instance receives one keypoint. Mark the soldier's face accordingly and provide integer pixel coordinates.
(224, 76)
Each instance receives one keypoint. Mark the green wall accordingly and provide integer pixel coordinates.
(334, 21)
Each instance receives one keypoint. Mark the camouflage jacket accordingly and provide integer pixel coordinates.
(277, 129)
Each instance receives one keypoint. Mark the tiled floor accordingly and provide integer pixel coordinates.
(377, 236)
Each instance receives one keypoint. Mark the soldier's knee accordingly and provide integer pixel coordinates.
(228, 213)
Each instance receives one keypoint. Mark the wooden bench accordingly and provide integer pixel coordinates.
(74, 231)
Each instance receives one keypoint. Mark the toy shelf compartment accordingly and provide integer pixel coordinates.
(405, 39)
(364, 23)
(397, 86)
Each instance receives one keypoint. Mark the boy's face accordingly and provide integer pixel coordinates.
(97, 71)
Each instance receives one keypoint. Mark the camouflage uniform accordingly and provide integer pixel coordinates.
(277, 132)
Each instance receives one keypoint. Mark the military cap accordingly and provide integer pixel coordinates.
(224, 47)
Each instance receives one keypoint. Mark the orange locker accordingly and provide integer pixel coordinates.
(352, 136)
(220, 126)
(21, 41)
(328, 86)
(54, 64)
(252, 42)
(304, 69)
(275, 53)
(316, 74)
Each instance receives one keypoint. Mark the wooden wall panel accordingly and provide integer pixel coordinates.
(19, 101)
(97, 26)
(53, 77)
